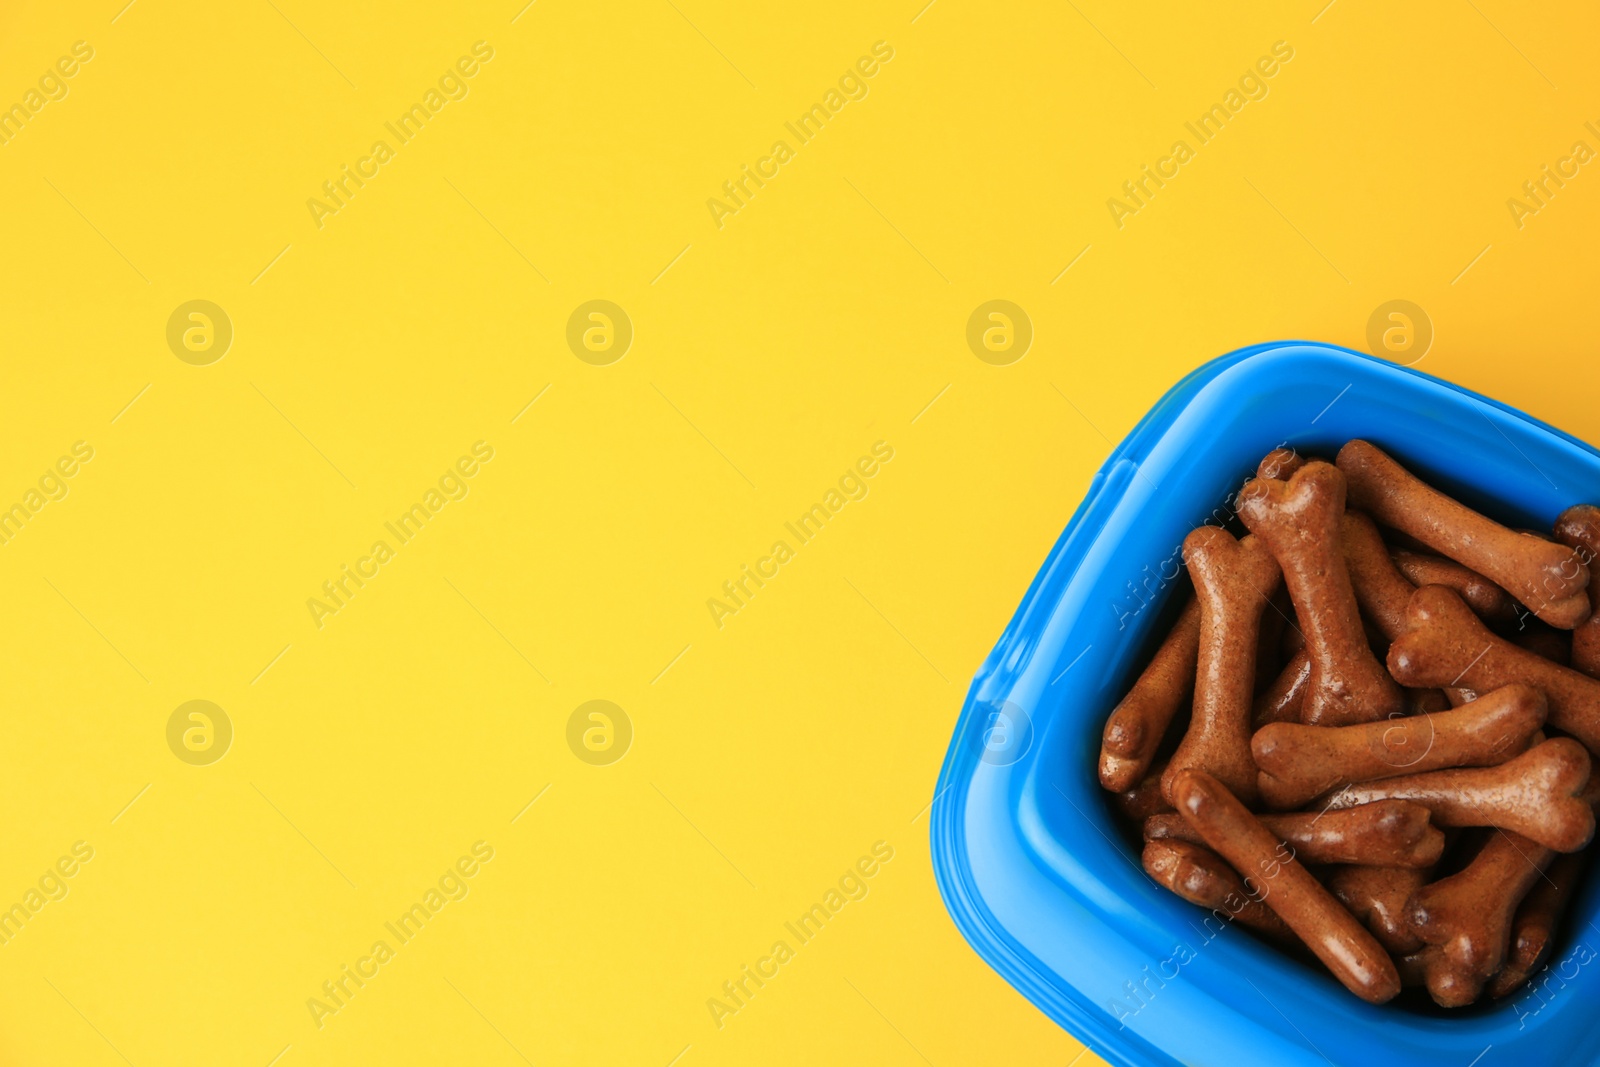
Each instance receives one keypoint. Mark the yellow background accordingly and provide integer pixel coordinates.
(768, 355)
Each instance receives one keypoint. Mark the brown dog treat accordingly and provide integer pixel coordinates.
(1468, 915)
(1485, 598)
(1381, 590)
(1294, 638)
(1426, 701)
(1399, 540)
(1535, 794)
(1546, 641)
(1299, 763)
(1233, 581)
(1269, 656)
(1377, 896)
(1533, 929)
(1338, 940)
(1283, 698)
(1450, 985)
(1546, 577)
(1591, 792)
(1448, 645)
(1383, 593)
(1280, 464)
(1144, 799)
(1387, 834)
(1413, 967)
(1300, 522)
(1377, 643)
(1204, 878)
(1579, 528)
(1136, 726)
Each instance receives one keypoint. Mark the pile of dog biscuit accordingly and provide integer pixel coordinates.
(1369, 733)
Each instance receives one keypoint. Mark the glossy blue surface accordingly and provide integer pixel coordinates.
(1032, 866)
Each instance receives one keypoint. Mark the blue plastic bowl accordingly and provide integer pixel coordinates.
(1026, 848)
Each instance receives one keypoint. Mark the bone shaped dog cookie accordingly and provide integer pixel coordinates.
(1332, 933)
(1144, 799)
(1275, 619)
(1300, 762)
(1468, 915)
(1283, 699)
(1280, 463)
(1579, 529)
(1546, 641)
(1381, 590)
(1389, 833)
(1427, 701)
(1533, 928)
(1202, 877)
(1482, 596)
(1299, 521)
(1537, 794)
(1233, 581)
(1135, 728)
(1547, 577)
(1377, 896)
(1447, 645)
